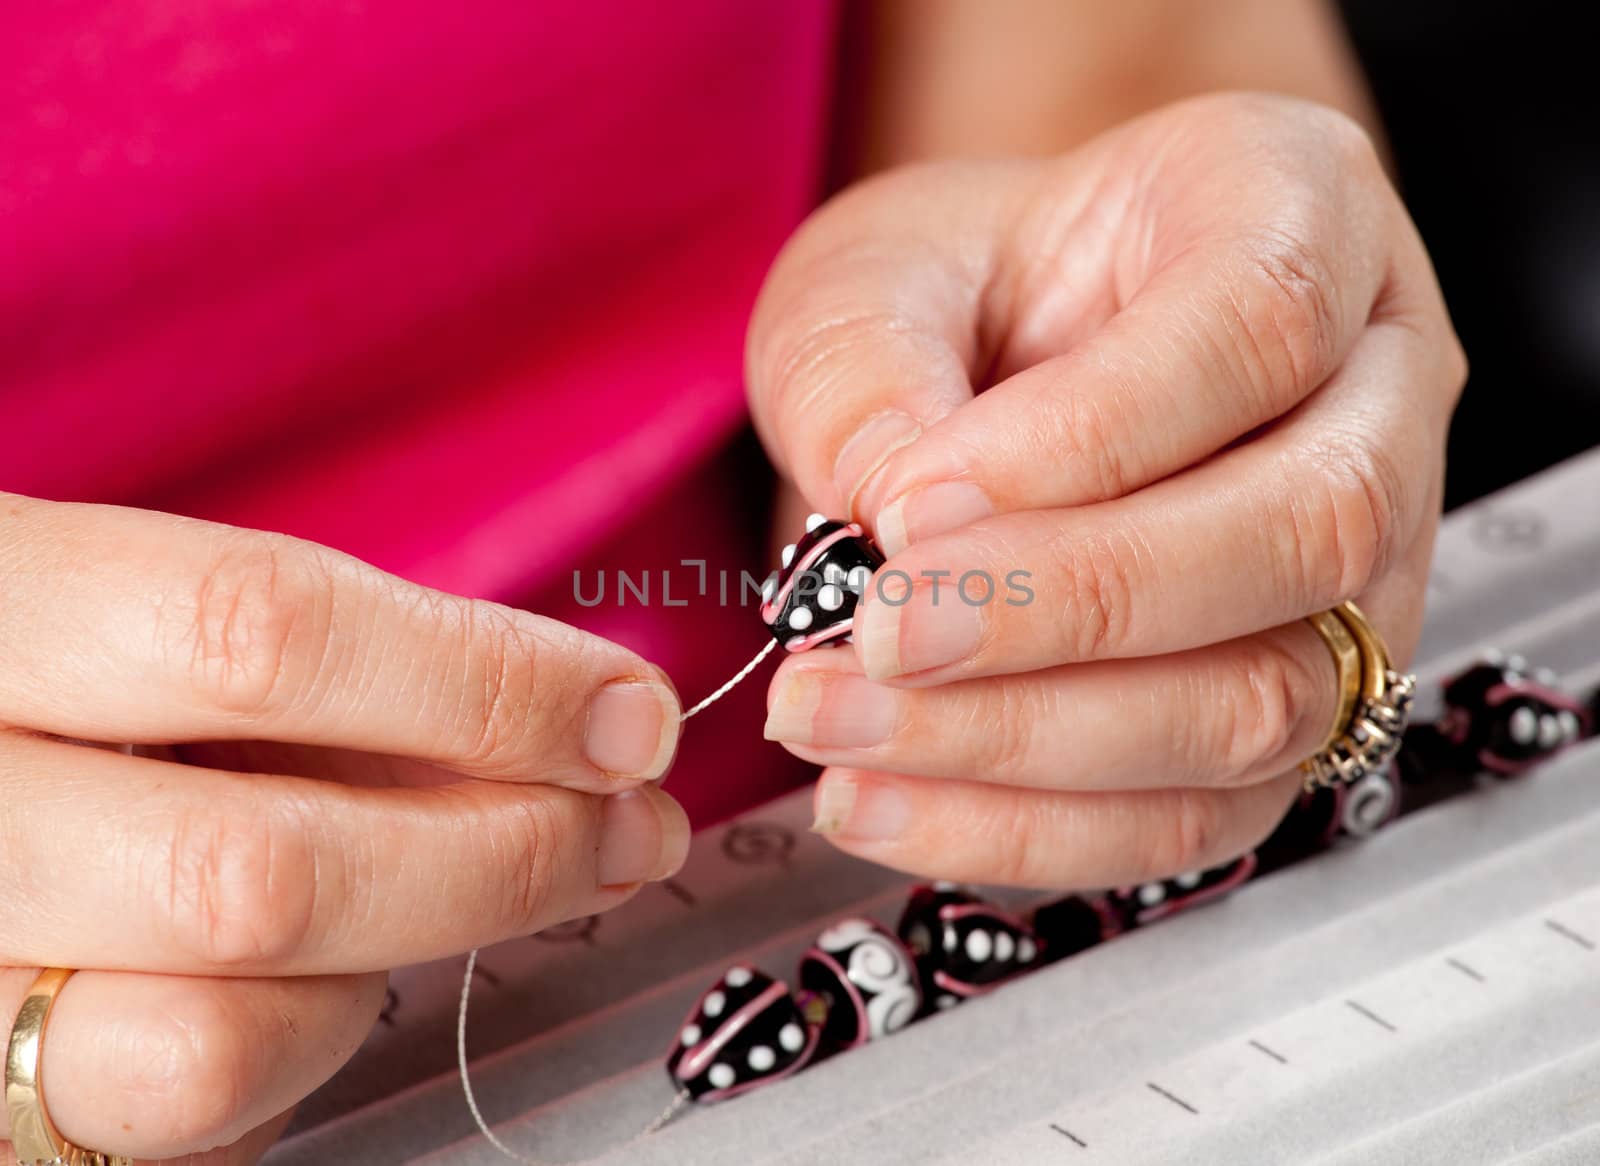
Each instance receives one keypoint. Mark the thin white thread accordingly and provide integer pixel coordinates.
(466, 1077)
(679, 1099)
(682, 1096)
(734, 680)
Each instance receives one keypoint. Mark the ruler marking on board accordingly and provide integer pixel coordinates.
(1279, 1057)
(1070, 1136)
(1566, 932)
(1470, 972)
(1173, 1097)
(1356, 1006)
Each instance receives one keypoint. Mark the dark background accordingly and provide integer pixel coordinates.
(1491, 113)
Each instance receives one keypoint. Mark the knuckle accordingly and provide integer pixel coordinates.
(1015, 839)
(1082, 432)
(240, 886)
(1287, 312)
(1311, 173)
(1187, 835)
(529, 845)
(505, 717)
(249, 629)
(191, 1066)
(1266, 689)
(1006, 731)
(1100, 595)
(1354, 521)
(811, 356)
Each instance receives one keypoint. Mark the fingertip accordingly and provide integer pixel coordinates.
(878, 643)
(859, 467)
(633, 726)
(644, 837)
(831, 801)
(676, 834)
(926, 511)
(671, 698)
(861, 809)
(791, 707)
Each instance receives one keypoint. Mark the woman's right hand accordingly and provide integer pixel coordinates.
(234, 909)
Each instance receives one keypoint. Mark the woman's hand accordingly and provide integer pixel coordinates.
(492, 777)
(1215, 375)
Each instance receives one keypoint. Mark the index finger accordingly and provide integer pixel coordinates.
(1243, 274)
(133, 626)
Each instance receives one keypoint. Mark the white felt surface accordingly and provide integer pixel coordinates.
(568, 1027)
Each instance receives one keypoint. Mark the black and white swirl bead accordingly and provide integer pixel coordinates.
(866, 977)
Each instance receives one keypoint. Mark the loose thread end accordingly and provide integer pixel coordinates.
(682, 1097)
(679, 1100)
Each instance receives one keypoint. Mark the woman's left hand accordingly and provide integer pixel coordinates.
(1193, 380)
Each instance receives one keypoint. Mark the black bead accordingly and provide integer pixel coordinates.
(1162, 898)
(1319, 817)
(745, 1031)
(1504, 719)
(963, 946)
(868, 979)
(1070, 925)
(1427, 755)
(812, 600)
(1309, 825)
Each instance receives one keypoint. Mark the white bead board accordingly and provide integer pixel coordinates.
(582, 1015)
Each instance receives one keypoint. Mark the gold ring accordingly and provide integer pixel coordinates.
(34, 1137)
(1347, 661)
(1374, 652)
(1371, 725)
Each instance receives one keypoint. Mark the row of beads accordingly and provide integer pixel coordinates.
(860, 982)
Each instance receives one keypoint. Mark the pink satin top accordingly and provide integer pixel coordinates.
(458, 288)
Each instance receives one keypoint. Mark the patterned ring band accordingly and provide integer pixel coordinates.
(34, 1137)
(1370, 732)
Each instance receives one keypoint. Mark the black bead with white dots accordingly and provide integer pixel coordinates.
(963, 945)
(812, 599)
(747, 1030)
(1147, 902)
(1503, 717)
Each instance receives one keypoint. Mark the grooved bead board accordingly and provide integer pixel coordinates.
(1431, 995)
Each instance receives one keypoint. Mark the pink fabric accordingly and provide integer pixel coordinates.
(459, 288)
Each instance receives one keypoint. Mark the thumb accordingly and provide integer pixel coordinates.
(867, 331)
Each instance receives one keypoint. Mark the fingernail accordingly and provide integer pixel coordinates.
(834, 710)
(919, 634)
(865, 453)
(929, 511)
(632, 729)
(644, 837)
(846, 809)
